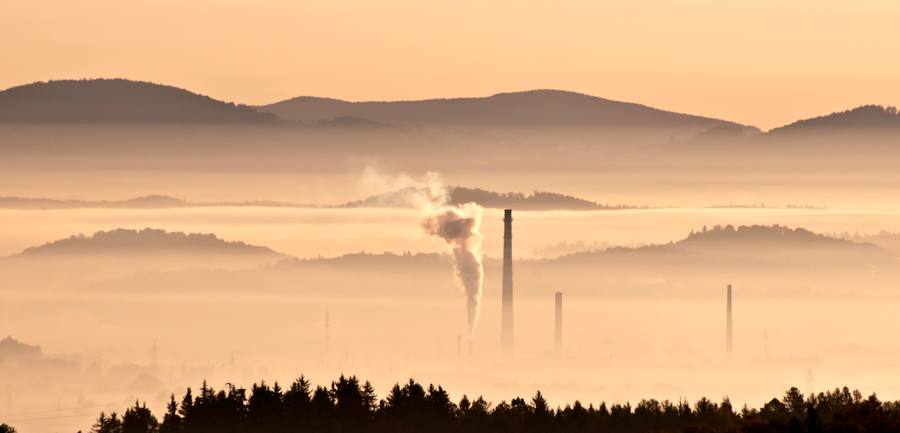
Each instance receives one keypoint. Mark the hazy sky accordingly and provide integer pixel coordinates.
(764, 63)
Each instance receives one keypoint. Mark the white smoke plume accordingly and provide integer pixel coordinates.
(458, 226)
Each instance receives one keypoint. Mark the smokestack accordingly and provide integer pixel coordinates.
(506, 317)
(557, 334)
(728, 330)
(470, 347)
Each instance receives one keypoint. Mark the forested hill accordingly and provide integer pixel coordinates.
(520, 109)
(118, 101)
(120, 241)
(871, 117)
(538, 200)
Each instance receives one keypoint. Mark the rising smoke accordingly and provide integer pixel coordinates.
(458, 226)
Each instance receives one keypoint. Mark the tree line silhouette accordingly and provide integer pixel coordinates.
(349, 405)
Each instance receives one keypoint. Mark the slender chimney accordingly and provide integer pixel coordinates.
(557, 334)
(506, 317)
(728, 330)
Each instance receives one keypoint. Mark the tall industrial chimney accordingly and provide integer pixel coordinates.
(557, 334)
(728, 330)
(506, 317)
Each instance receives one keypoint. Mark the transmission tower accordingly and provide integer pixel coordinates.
(809, 383)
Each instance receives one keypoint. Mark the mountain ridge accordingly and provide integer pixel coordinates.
(542, 107)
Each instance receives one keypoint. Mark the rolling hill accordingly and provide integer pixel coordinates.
(122, 241)
(119, 101)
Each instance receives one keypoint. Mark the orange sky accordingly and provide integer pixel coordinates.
(764, 63)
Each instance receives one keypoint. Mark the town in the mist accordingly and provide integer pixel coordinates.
(340, 217)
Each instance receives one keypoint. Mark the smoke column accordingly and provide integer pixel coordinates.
(458, 226)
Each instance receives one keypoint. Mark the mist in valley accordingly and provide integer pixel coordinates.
(226, 245)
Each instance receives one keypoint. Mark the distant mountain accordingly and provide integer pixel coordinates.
(121, 241)
(538, 200)
(522, 109)
(871, 117)
(118, 101)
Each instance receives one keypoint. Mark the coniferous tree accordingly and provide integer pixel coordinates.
(171, 420)
(265, 411)
(107, 424)
(297, 406)
(139, 420)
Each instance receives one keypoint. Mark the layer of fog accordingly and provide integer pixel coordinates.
(323, 166)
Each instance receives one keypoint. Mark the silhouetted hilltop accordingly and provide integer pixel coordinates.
(118, 101)
(147, 240)
(756, 233)
(865, 117)
(764, 242)
(530, 108)
(14, 350)
(538, 200)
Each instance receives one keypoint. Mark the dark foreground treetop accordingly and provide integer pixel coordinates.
(348, 405)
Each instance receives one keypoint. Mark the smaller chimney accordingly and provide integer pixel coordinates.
(459, 345)
(557, 334)
(728, 329)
